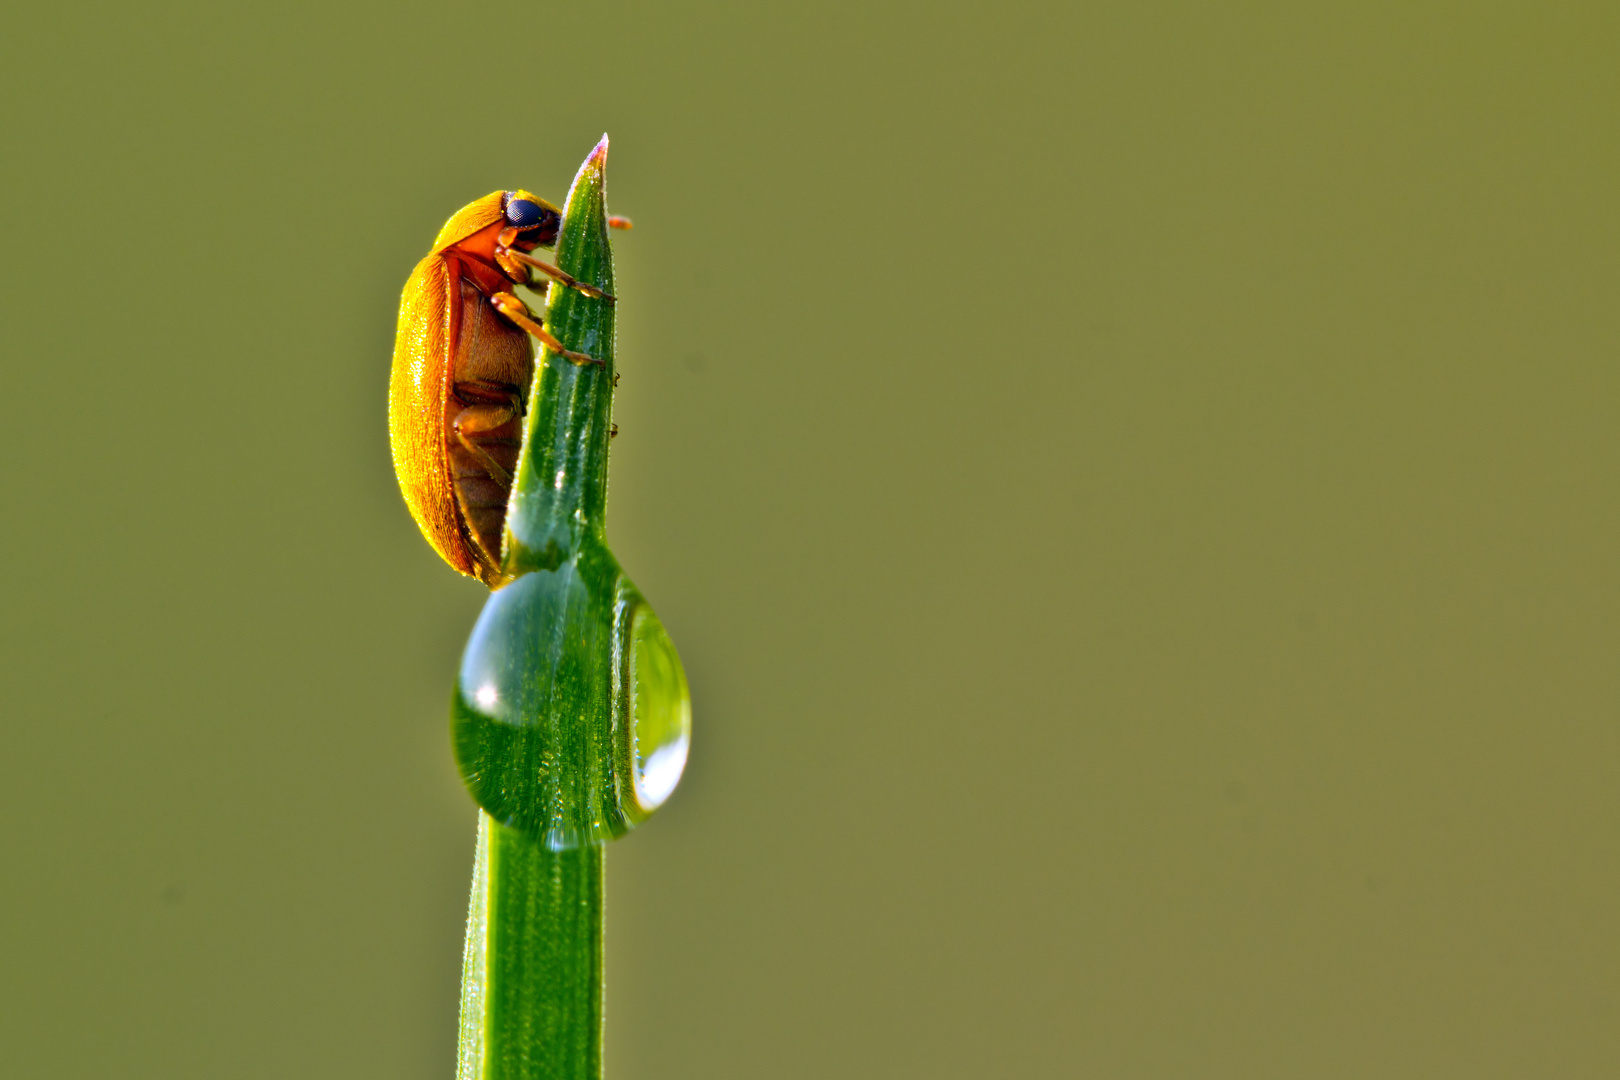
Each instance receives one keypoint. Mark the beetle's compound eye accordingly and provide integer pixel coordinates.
(537, 225)
(523, 214)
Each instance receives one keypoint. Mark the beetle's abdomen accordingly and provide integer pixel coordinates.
(492, 364)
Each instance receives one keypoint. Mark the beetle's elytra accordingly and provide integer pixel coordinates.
(463, 362)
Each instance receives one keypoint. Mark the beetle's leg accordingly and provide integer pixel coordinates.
(489, 407)
(514, 263)
(481, 391)
(476, 420)
(516, 310)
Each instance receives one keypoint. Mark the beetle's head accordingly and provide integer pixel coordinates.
(536, 220)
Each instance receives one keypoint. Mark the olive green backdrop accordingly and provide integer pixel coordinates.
(1135, 487)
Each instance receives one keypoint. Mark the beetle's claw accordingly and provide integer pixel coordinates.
(592, 290)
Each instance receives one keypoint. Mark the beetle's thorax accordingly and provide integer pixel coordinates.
(477, 256)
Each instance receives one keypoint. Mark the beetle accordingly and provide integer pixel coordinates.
(463, 361)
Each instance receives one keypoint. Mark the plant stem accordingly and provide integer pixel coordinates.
(571, 716)
(559, 497)
(531, 982)
(533, 718)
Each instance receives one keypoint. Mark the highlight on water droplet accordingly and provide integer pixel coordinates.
(660, 708)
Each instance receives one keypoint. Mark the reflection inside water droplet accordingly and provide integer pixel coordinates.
(661, 709)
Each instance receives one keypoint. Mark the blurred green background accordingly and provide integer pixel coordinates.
(1134, 486)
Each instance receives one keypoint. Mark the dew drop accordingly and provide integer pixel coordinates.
(661, 709)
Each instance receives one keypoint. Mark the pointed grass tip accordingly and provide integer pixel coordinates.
(598, 156)
(595, 162)
(593, 170)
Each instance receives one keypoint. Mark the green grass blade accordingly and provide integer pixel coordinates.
(560, 492)
(531, 991)
(533, 713)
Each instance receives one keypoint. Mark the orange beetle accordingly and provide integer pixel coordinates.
(462, 367)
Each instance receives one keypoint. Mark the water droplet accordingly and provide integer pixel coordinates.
(571, 718)
(661, 710)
